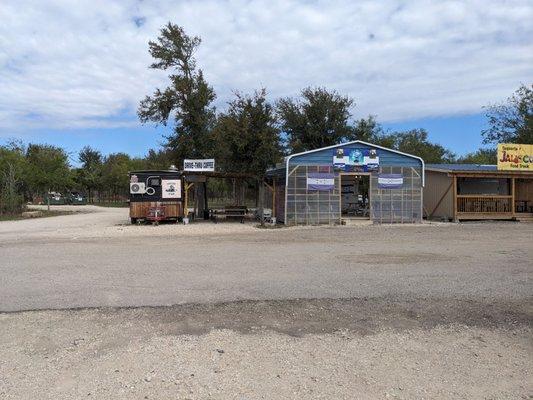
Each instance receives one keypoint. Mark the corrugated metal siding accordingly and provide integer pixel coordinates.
(386, 158)
(436, 185)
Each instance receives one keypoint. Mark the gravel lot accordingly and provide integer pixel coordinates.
(425, 311)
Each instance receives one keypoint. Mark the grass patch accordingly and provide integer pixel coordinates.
(10, 217)
(118, 204)
(45, 214)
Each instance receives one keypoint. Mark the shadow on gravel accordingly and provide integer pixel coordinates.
(308, 316)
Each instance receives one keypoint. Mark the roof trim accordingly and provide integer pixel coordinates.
(479, 172)
(464, 167)
(287, 161)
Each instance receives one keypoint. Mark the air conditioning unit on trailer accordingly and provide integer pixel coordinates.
(138, 188)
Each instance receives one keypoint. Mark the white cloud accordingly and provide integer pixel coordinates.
(85, 63)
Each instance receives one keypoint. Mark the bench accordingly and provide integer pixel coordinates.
(235, 212)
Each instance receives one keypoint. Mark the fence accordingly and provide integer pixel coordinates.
(473, 204)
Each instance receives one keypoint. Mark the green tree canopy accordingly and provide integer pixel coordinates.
(47, 169)
(416, 142)
(319, 118)
(115, 171)
(187, 100)
(511, 122)
(158, 159)
(247, 136)
(12, 169)
(369, 130)
(89, 176)
(482, 157)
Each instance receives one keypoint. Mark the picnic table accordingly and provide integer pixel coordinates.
(228, 212)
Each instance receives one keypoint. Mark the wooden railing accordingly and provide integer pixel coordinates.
(475, 204)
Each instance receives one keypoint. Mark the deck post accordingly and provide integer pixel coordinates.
(513, 208)
(274, 197)
(186, 201)
(454, 198)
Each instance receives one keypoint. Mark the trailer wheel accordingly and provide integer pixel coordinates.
(133, 221)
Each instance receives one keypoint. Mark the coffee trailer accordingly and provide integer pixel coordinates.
(168, 191)
(160, 189)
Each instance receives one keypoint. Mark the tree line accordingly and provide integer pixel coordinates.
(251, 135)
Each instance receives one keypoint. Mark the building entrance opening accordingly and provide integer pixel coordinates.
(355, 201)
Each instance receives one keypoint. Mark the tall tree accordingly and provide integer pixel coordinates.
(511, 122)
(247, 137)
(319, 118)
(187, 100)
(416, 142)
(90, 175)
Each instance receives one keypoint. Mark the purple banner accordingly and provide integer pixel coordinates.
(390, 181)
(321, 181)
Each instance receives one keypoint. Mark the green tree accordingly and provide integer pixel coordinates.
(416, 142)
(511, 122)
(187, 99)
(115, 173)
(246, 135)
(47, 169)
(158, 159)
(482, 157)
(370, 131)
(90, 174)
(12, 167)
(319, 118)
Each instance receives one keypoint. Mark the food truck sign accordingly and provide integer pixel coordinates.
(199, 165)
(515, 157)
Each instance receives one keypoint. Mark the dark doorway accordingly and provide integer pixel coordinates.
(355, 200)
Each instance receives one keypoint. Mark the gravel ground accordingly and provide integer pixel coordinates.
(104, 222)
(55, 264)
(313, 349)
(432, 311)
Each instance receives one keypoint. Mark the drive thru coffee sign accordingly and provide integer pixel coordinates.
(515, 157)
(199, 165)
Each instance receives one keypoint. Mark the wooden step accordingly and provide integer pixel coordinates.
(524, 217)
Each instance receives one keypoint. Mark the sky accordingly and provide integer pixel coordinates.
(72, 73)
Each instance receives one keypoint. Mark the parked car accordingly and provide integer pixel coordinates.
(76, 198)
(55, 198)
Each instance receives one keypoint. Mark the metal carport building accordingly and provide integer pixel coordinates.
(309, 187)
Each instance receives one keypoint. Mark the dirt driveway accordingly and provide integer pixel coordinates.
(371, 312)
